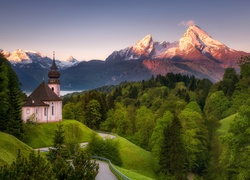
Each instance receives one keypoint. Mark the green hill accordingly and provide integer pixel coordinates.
(136, 160)
(41, 135)
(225, 124)
(9, 146)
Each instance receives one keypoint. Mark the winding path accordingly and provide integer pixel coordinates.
(104, 171)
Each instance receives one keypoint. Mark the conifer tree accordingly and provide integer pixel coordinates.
(3, 95)
(84, 168)
(173, 155)
(58, 149)
(10, 95)
(35, 167)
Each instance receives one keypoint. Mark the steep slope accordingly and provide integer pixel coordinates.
(96, 73)
(196, 44)
(42, 135)
(9, 146)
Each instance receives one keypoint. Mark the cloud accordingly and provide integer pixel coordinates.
(187, 23)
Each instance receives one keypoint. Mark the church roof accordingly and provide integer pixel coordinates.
(40, 94)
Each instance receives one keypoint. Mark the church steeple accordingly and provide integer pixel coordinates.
(54, 82)
(53, 74)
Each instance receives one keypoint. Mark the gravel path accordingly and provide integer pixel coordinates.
(104, 171)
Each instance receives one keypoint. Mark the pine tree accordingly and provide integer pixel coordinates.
(3, 95)
(84, 168)
(58, 149)
(35, 167)
(173, 155)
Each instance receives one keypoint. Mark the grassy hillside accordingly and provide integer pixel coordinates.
(133, 175)
(225, 124)
(135, 159)
(41, 135)
(137, 162)
(9, 146)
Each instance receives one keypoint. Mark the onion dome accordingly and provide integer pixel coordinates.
(53, 71)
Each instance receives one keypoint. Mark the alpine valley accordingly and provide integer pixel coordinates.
(196, 53)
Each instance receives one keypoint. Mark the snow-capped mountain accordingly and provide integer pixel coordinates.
(196, 44)
(145, 48)
(194, 39)
(23, 58)
(196, 53)
(71, 61)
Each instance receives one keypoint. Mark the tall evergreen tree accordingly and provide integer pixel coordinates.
(3, 95)
(58, 149)
(10, 95)
(173, 155)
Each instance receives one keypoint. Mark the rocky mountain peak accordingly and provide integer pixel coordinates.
(195, 37)
(146, 42)
(71, 59)
(18, 56)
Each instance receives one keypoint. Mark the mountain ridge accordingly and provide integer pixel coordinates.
(196, 53)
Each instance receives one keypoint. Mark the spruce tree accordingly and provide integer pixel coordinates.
(10, 96)
(84, 168)
(34, 167)
(58, 149)
(3, 95)
(173, 155)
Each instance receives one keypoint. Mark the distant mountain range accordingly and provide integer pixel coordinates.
(196, 53)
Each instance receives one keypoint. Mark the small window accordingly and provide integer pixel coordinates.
(45, 111)
(27, 111)
(52, 109)
(33, 101)
(52, 89)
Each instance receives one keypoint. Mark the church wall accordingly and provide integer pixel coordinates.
(56, 107)
(43, 114)
(32, 113)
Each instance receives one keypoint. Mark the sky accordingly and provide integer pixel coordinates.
(93, 29)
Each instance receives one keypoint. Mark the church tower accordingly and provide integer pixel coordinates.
(54, 82)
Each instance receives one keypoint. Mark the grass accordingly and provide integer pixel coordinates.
(225, 124)
(9, 146)
(133, 175)
(136, 162)
(41, 135)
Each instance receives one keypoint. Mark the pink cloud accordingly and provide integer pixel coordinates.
(187, 23)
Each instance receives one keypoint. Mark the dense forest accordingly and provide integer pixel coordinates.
(10, 98)
(176, 117)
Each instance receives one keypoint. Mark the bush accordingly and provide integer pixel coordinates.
(105, 148)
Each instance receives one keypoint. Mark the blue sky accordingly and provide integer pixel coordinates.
(93, 29)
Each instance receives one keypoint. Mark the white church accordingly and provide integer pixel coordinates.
(44, 104)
